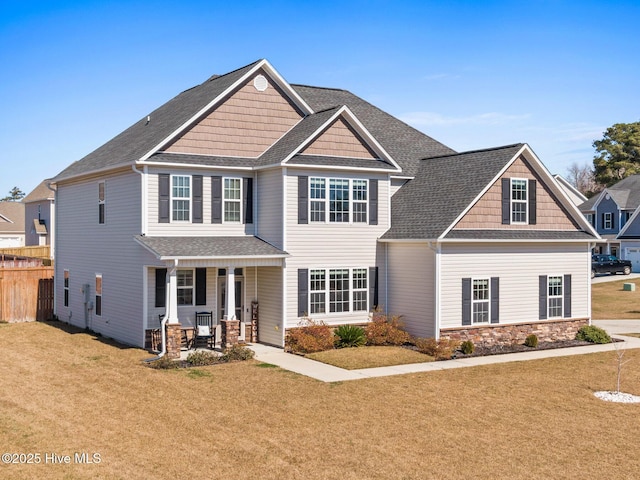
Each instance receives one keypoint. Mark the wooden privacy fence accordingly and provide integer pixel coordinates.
(34, 251)
(26, 294)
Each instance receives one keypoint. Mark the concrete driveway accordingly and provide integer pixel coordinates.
(616, 327)
(605, 277)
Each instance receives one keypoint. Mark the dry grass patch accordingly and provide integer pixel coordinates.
(610, 302)
(70, 392)
(369, 357)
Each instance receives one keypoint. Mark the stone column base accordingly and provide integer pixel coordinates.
(230, 333)
(174, 340)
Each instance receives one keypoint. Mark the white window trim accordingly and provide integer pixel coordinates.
(487, 301)
(561, 297)
(192, 287)
(172, 198)
(327, 200)
(608, 217)
(525, 202)
(327, 291)
(101, 201)
(225, 201)
(66, 281)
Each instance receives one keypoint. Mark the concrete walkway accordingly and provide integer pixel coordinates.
(606, 277)
(328, 373)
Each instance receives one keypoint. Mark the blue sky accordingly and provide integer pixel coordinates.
(554, 74)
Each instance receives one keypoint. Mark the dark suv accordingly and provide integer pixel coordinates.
(609, 264)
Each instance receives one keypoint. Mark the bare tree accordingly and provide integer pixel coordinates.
(583, 178)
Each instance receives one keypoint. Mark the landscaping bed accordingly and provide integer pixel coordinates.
(481, 351)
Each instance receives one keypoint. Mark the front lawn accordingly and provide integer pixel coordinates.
(67, 392)
(610, 302)
(369, 357)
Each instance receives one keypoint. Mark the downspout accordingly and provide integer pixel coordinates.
(436, 307)
(163, 325)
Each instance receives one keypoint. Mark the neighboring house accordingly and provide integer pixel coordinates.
(40, 216)
(610, 210)
(11, 224)
(308, 201)
(569, 190)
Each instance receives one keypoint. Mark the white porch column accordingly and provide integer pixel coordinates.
(230, 300)
(172, 293)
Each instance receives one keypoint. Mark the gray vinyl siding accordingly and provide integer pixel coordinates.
(31, 213)
(411, 284)
(396, 184)
(607, 206)
(633, 230)
(155, 228)
(86, 248)
(518, 266)
(330, 245)
(268, 190)
(270, 305)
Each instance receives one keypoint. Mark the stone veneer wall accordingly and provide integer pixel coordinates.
(174, 340)
(490, 335)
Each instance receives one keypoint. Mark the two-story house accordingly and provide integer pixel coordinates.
(307, 201)
(40, 216)
(609, 211)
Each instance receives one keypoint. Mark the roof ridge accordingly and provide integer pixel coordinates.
(502, 147)
(215, 76)
(319, 88)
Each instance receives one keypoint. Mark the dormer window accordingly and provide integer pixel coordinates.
(607, 221)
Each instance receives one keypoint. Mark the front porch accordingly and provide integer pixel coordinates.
(194, 281)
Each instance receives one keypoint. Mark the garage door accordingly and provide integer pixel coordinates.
(633, 254)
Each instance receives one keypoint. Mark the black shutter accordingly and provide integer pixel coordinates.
(303, 292)
(197, 199)
(216, 199)
(303, 200)
(602, 224)
(247, 199)
(495, 300)
(613, 221)
(542, 297)
(163, 197)
(373, 288)
(532, 201)
(161, 287)
(466, 301)
(567, 296)
(373, 202)
(201, 286)
(506, 201)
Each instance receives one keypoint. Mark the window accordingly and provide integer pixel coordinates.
(98, 295)
(359, 188)
(318, 199)
(607, 223)
(519, 200)
(100, 202)
(334, 295)
(555, 296)
(185, 287)
(346, 202)
(338, 200)
(480, 301)
(181, 197)
(66, 288)
(317, 289)
(359, 290)
(232, 200)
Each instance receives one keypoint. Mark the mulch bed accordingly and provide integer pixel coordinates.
(518, 347)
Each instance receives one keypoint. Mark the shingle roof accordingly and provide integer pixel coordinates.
(405, 144)
(209, 247)
(14, 214)
(443, 187)
(41, 192)
(141, 137)
(626, 193)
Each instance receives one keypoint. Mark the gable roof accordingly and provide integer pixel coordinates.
(572, 192)
(41, 192)
(12, 217)
(626, 194)
(445, 188)
(145, 138)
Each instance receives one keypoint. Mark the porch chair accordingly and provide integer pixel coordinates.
(205, 330)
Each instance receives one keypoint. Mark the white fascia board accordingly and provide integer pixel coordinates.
(406, 240)
(192, 166)
(560, 179)
(518, 240)
(351, 119)
(93, 173)
(223, 257)
(602, 195)
(629, 222)
(323, 167)
(261, 64)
